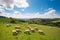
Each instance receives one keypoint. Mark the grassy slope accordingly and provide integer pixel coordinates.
(51, 33)
(4, 20)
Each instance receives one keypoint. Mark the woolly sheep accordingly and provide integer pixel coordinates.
(17, 27)
(41, 32)
(8, 25)
(36, 28)
(27, 31)
(14, 32)
(32, 30)
(18, 30)
(29, 28)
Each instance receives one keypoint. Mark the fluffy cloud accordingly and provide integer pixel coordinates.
(52, 0)
(2, 13)
(21, 3)
(50, 14)
(1, 9)
(9, 4)
(16, 14)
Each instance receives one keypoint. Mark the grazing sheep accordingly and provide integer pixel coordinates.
(27, 31)
(8, 25)
(14, 32)
(18, 30)
(17, 27)
(29, 28)
(32, 30)
(40, 32)
(36, 28)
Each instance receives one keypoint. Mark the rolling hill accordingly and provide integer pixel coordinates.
(51, 33)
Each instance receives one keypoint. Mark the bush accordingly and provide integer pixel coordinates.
(12, 20)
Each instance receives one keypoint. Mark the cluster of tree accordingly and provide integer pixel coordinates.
(10, 20)
(32, 21)
(13, 20)
(45, 22)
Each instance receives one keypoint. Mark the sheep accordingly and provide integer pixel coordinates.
(8, 25)
(36, 28)
(27, 31)
(32, 30)
(18, 30)
(40, 32)
(29, 28)
(17, 27)
(14, 32)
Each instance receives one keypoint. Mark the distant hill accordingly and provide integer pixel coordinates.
(2, 17)
(10, 20)
(49, 22)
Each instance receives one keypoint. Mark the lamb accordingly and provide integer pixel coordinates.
(27, 31)
(32, 30)
(36, 28)
(14, 32)
(8, 25)
(18, 30)
(17, 27)
(29, 28)
(40, 32)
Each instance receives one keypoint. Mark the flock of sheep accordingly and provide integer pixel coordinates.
(27, 31)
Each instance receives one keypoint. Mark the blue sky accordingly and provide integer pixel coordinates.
(32, 8)
(41, 5)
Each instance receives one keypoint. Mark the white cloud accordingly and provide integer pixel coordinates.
(9, 4)
(52, 0)
(50, 14)
(1, 9)
(21, 3)
(16, 14)
(2, 13)
(50, 9)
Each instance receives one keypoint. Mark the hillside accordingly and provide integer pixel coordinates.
(50, 32)
(9, 20)
(47, 22)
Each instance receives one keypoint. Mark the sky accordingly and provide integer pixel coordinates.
(30, 8)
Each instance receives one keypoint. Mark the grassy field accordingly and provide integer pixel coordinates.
(51, 33)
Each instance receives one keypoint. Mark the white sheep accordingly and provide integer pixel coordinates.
(29, 28)
(40, 32)
(8, 25)
(27, 31)
(18, 30)
(36, 28)
(14, 32)
(32, 30)
(17, 27)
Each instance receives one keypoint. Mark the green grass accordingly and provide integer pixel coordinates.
(51, 33)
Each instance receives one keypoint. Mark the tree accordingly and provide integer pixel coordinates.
(12, 20)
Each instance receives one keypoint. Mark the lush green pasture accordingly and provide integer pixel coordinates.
(51, 33)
